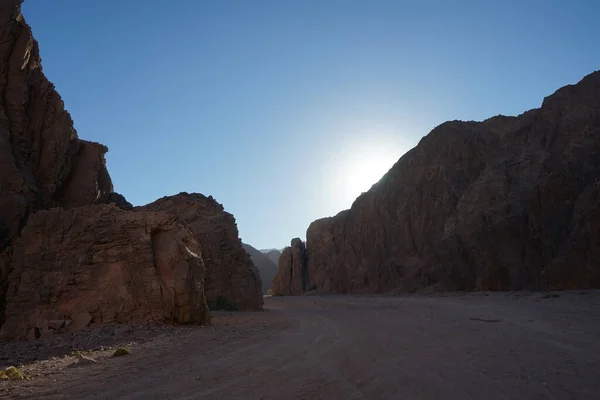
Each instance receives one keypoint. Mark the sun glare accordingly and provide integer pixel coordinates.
(361, 157)
(365, 173)
(358, 166)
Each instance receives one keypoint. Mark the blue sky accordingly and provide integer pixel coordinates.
(285, 111)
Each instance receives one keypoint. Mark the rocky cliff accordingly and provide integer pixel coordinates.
(42, 161)
(231, 277)
(71, 250)
(507, 203)
(266, 268)
(100, 264)
(292, 276)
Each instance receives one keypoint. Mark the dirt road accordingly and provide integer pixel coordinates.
(502, 346)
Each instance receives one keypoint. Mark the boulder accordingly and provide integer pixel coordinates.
(80, 321)
(101, 264)
(232, 280)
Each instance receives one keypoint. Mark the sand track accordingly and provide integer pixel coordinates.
(502, 346)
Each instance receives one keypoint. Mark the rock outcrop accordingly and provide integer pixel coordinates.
(116, 199)
(101, 264)
(231, 277)
(292, 277)
(507, 203)
(42, 162)
(266, 268)
(72, 252)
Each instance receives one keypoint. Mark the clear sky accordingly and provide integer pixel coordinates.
(285, 110)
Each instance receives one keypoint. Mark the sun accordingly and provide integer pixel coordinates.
(365, 172)
(359, 162)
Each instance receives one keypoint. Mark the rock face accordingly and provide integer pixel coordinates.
(116, 199)
(507, 203)
(42, 162)
(292, 277)
(102, 264)
(70, 253)
(231, 277)
(266, 268)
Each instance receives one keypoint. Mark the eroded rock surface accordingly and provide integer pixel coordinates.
(101, 264)
(42, 162)
(507, 203)
(116, 199)
(292, 277)
(75, 263)
(231, 277)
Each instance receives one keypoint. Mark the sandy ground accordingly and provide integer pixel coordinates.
(498, 346)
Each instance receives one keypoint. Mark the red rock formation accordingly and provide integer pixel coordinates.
(150, 266)
(88, 179)
(231, 277)
(282, 283)
(507, 203)
(42, 162)
(101, 264)
(292, 276)
(116, 199)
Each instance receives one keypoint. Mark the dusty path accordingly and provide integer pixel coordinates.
(482, 347)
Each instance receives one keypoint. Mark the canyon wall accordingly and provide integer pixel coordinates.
(73, 252)
(505, 204)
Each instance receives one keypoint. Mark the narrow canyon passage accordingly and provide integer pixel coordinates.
(498, 346)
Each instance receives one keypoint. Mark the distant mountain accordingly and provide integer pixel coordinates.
(274, 255)
(265, 264)
(265, 251)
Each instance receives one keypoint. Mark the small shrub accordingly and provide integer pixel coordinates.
(121, 351)
(12, 373)
(278, 294)
(221, 304)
